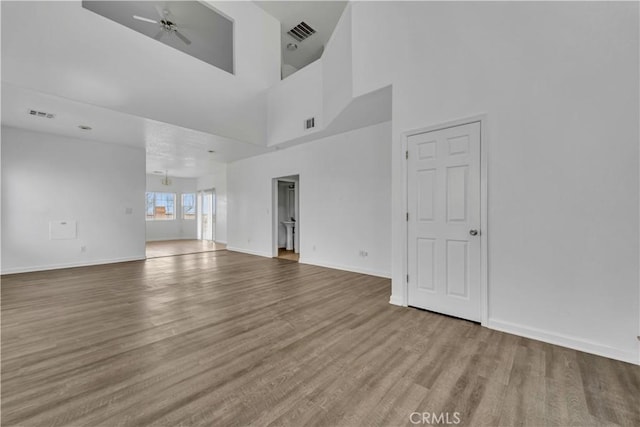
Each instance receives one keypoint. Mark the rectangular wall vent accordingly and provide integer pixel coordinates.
(310, 123)
(41, 114)
(301, 31)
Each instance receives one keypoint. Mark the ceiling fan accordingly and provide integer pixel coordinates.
(167, 25)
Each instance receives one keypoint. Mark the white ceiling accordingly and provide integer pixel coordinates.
(62, 49)
(183, 152)
(132, 90)
(322, 16)
(88, 70)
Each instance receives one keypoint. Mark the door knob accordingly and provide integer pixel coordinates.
(473, 232)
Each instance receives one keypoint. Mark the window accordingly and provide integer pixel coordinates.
(160, 206)
(189, 206)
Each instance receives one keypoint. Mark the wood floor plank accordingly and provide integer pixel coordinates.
(162, 248)
(222, 338)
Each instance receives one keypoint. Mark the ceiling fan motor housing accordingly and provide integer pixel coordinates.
(168, 25)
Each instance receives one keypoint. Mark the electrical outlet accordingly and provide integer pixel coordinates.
(83, 249)
(128, 211)
(363, 253)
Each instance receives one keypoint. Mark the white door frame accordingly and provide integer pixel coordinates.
(295, 179)
(199, 207)
(484, 228)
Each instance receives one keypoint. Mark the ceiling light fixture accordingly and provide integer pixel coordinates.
(166, 25)
(166, 180)
(292, 46)
(84, 127)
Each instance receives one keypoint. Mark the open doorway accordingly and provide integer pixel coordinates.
(286, 217)
(175, 224)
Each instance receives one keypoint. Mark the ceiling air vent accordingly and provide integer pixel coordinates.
(301, 31)
(41, 114)
(310, 123)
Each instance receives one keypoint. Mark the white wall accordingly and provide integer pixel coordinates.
(559, 85)
(344, 196)
(257, 48)
(46, 177)
(217, 180)
(292, 101)
(172, 229)
(337, 69)
(287, 70)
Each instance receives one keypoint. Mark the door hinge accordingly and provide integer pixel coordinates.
(406, 154)
(407, 216)
(407, 278)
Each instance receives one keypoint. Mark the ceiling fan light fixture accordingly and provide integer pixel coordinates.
(166, 180)
(167, 25)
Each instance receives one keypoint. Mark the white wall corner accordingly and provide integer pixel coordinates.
(396, 300)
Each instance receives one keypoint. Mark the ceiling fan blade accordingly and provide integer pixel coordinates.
(182, 37)
(159, 35)
(160, 11)
(141, 18)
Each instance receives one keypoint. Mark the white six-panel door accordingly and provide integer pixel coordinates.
(443, 195)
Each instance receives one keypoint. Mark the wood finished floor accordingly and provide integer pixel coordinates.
(290, 255)
(181, 247)
(222, 338)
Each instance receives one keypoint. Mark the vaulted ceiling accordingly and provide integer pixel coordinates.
(62, 58)
(132, 89)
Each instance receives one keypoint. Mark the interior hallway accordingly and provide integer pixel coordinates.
(181, 247)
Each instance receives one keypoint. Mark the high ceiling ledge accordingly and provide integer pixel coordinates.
(323, 91)
(365, 110)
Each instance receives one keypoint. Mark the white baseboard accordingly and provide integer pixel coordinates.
(168, 239)
(249, 251)
(311, 261)
(29, 269)
(222, 242)
(565, 341)
(396, 300)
